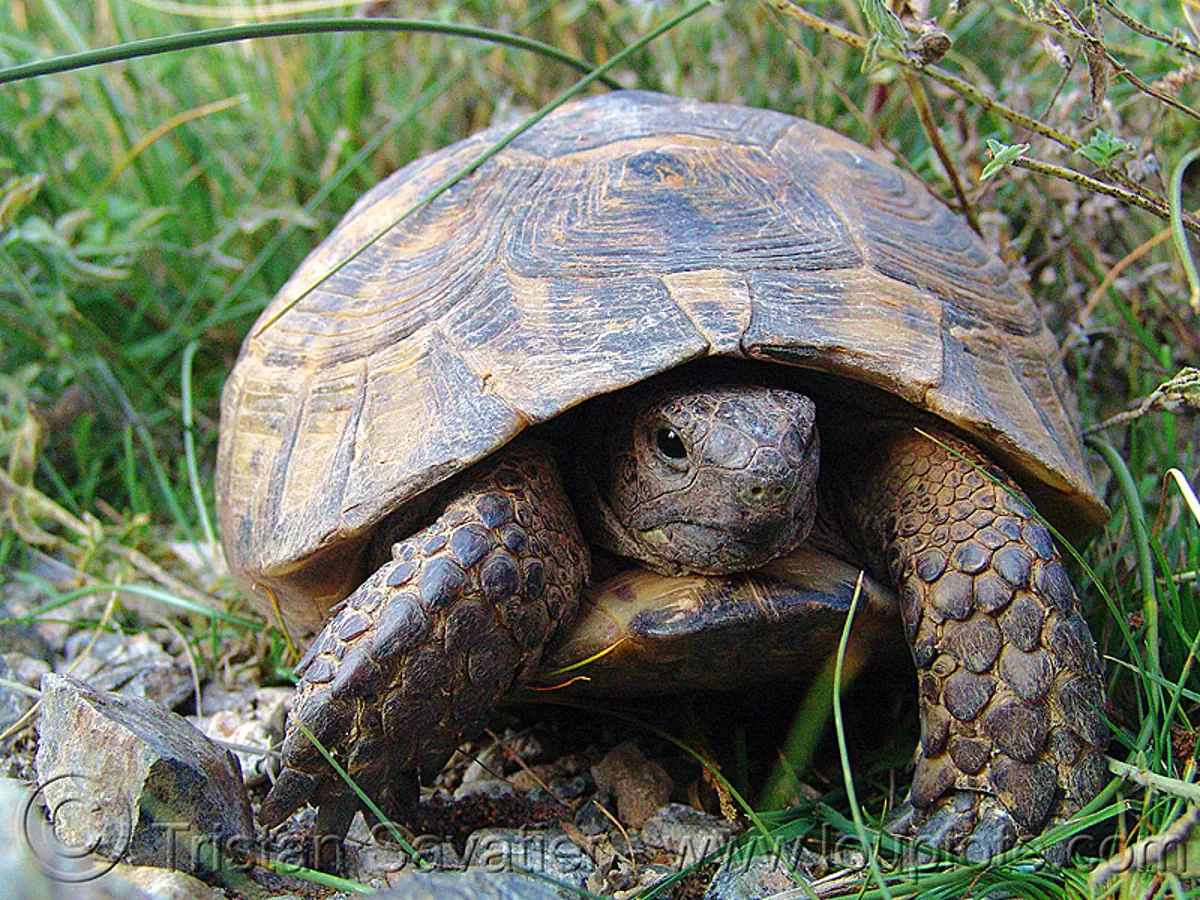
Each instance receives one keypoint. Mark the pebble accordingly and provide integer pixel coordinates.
(688, 833)
(550, 853)
(639, 785)
(136, 666)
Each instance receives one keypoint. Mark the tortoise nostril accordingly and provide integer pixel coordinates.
(770, 493)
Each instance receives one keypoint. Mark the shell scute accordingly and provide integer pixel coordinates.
(622, 236)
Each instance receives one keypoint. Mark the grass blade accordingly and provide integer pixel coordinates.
(208, 37)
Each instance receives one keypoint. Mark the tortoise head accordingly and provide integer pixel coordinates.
(710, 479)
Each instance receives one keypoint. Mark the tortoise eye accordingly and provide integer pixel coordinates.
(669, 444)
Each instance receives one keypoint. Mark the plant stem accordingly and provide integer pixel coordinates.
(959, 86)
(210, 36)
(1141, 200)
(1141, 537)
(1143, 776)
(1180, 44)
(574, 90)
(929, 124)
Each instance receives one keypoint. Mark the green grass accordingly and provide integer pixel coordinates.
(154, 206)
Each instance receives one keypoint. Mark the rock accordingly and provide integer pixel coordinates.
(374, 859)
(156, 790)
(385, 865)
(490, 790)
(218, 696)
(25, 669)
(28, 852)
(162, 884)
(749, 875)
(205, 561)
(646, 877)
(136, 666)
(593, 818)
(474, 884)
(569, 788)
(639, 785)
(22, 637)
(688, 833)
(487, 765)
(233, 727)
(20, 598)
(250, 718)
(14, 703)
(549, 853)
(271, 707)
(34, 865)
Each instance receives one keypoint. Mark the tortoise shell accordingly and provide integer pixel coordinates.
(622, 236)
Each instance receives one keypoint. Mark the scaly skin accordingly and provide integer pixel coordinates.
(417, 657)
(1009, 681)
(459, 612)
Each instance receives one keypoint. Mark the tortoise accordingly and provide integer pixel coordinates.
(723, 346)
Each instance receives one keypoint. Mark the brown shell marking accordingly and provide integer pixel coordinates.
(623, 236)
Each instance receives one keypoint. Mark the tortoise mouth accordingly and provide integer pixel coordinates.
(721, 549)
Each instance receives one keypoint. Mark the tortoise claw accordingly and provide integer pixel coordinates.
(995, 833)
(291, 790)
(972, 825)
(335, 813)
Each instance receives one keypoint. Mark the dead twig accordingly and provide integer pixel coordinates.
(963, 88)
(1177, 43)
(929, 124)
(1140, 199)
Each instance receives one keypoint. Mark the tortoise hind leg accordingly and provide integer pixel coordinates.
(1011, 697)
(418, 656)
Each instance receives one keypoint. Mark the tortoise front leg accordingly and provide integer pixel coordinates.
(418, 656)
(1010, 692)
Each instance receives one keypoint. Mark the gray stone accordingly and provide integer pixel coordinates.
(474, 884)
(686, 832)
(218, 696)
(23, 638)
(14, 702)
(19, 599)
(252, 727)
(231, 727)
(752, 875)
(499, 758)
(271, 706)
(136, 666)
(28, 852)
(384, 865)
(34, 865)
(161, 884)
(374, 859)
(205, 561)
(549, 853)
(593, 818)
(155, 790)
(249, 722)
(491, 789)
(25, 669)
(569, 788)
